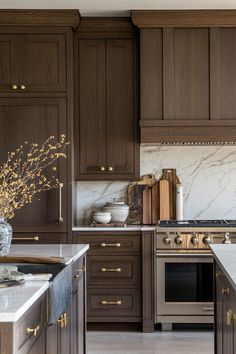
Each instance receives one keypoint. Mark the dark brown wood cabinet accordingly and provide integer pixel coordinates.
(33, 60)
(225, 310)
(113, 276)
(120, 277)
(106, 134)
(34, 120)
(187, 86)
(36, 89)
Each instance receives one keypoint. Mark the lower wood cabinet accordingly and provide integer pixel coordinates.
(225, 314)
(119, 278)
(32, 335)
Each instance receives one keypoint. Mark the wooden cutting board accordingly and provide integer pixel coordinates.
(171, 176)
(164, 196)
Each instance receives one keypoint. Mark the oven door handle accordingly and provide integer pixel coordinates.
(184, 255)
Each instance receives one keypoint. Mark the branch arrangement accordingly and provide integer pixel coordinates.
(28, 171)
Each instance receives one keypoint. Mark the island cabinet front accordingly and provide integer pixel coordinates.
(31, 333)
(225, 313)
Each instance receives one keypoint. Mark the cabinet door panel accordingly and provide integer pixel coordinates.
(120, 106)
(8, 62)
(42, 62)
(223, 73)
(92, 114)
(186, 73)
(35, 120)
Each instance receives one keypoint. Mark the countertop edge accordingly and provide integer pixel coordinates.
(79, 254)
(115, 229)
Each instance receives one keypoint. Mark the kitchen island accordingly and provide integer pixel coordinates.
(27, 325)
(225, 298)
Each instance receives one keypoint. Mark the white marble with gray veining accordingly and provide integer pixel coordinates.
(208, 174)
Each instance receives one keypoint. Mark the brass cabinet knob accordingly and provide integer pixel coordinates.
(229, 317)
(110, 168)
(225, 290)
(114, 270)
(14, 87)
(63, 320)
(34, 331)
(22, 87)
(102, 168)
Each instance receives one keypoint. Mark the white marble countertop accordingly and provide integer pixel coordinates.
(70, 252)
(15, 301)
(226, 256)
(115, 229)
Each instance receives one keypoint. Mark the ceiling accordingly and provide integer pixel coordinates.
(116, 7)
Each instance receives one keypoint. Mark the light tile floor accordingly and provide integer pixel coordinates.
(175, 342)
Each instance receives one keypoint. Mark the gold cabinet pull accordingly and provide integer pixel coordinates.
(219, 273)
(33, 330)
(63, 320)
(22, 87)
(225, 290)
(60, 202)
(35, 238)
(229, 317)
(105, 302)
(115, 270)
(102, 169)
(110, 244)
(110, 168)
(79, 272)
(14, 87)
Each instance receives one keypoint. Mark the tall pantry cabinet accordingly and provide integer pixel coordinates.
(36, 102)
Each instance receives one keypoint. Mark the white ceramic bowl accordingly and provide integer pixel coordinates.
(101, 217)
(118, 209)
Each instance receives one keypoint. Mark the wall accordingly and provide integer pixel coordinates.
(208, 174)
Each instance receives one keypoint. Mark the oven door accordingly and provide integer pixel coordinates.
(184, 284)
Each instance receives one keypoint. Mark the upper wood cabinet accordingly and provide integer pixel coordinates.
(106, 141)
(32, 62)
(188, 70)
(35, 120)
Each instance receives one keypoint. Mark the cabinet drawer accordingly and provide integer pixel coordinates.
(110, 243)
(113, 302)
(36, 237)
(116, 270)
(32, 324)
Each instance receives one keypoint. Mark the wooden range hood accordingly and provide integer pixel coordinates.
(187, 75)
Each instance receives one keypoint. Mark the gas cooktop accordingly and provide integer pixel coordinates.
(197, 223)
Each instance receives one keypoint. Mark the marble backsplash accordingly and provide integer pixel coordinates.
(208, 174)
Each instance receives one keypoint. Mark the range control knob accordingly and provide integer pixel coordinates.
(207, 240)
(167, 240)
(194, 239)
(178, 239)
(226, 238)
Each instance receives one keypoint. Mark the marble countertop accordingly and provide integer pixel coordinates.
(226, 257)
(70, 252)
(115, 229)
(15, 301)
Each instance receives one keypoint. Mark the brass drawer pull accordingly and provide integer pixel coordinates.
(22, 87)
(104, 302)
(115, 270)
(33, 330)
(61, 185)
(102, 169)
(110, 244)
(219, 273)
(63, 320)
(35, 238)
(225, 290)
(229, 317)
(14, 87)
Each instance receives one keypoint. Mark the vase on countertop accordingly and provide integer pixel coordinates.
(5, 237)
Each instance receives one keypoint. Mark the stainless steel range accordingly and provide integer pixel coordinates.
(184, 269)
